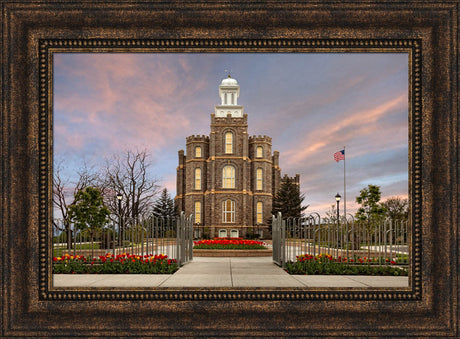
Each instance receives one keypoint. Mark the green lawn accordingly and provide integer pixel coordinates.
(59, 251)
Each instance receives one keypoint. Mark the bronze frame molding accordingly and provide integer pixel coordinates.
(49, 47)
(34, 30)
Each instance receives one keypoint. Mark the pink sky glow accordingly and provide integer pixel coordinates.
(311, 104)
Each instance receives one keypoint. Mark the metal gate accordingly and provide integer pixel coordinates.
(278, 239)
(184, 239)
(384, 242)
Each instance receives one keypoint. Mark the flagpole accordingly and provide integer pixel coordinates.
(344, 185)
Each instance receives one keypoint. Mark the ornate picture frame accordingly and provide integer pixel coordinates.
(33, 31)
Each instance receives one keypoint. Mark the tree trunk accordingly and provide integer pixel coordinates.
(69, 235)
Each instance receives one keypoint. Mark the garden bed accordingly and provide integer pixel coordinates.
(229, 244)
(232, 253)
(230, 247)
(115, 264)
(324, 264)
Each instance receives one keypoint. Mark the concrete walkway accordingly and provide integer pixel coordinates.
(227, 272)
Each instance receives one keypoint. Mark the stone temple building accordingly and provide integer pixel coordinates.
(228, 179)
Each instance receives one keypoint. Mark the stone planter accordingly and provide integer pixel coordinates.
(232, 253)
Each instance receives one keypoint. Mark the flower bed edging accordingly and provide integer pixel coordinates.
(115, 264)
(232, 253)
(324, 264)
(229, 244)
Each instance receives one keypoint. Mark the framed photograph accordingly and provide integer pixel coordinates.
(62, 58)
(295, 109)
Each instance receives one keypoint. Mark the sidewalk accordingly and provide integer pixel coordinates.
(227, 272)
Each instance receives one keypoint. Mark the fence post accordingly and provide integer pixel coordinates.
(391, 238)
(178, 238)
(278, 239)
(184, 238)
(352, 238)
(274, 236)
(283, 241)
(190, 226)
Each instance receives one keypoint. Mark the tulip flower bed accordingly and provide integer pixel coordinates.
(229, 244)
(111, 264)
(326, 264)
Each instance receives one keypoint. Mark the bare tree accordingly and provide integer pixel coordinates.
(332, 213)
(63, 195)
(127, 174)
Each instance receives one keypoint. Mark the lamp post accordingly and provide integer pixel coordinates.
(119, 197)
(337, 198)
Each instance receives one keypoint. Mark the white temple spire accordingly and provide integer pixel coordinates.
(229, 91)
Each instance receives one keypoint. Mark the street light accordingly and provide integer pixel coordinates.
(119, 197)
(337, 198)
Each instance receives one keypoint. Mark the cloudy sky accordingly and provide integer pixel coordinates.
(311, 104)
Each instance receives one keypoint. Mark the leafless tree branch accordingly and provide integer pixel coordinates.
(128, 175)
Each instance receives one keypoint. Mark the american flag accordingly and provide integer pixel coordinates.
(340, 155)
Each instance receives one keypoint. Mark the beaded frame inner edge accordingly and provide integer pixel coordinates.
(50, 46)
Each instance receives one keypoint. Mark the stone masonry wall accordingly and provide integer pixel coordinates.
(213, 159)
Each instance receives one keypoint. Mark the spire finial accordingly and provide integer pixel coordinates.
(228, 73)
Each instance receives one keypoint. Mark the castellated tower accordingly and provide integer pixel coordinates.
(228, 179)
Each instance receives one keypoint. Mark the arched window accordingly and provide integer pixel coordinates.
(259, 152)
(228, 177)
(197, 212)
(197, 178)
(259, 179)
(233, 98)
(198, 152)
(228, 211)
(259, 212)
(229, 142)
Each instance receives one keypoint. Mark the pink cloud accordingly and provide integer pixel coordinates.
(128, 104)
(170, 183)
(125, 104)
(400, 196)
(368, 116)
(360, 123)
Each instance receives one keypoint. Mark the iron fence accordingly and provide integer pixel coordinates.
(154, 235)
(184, 239)
(380, 242)
(278, 239)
